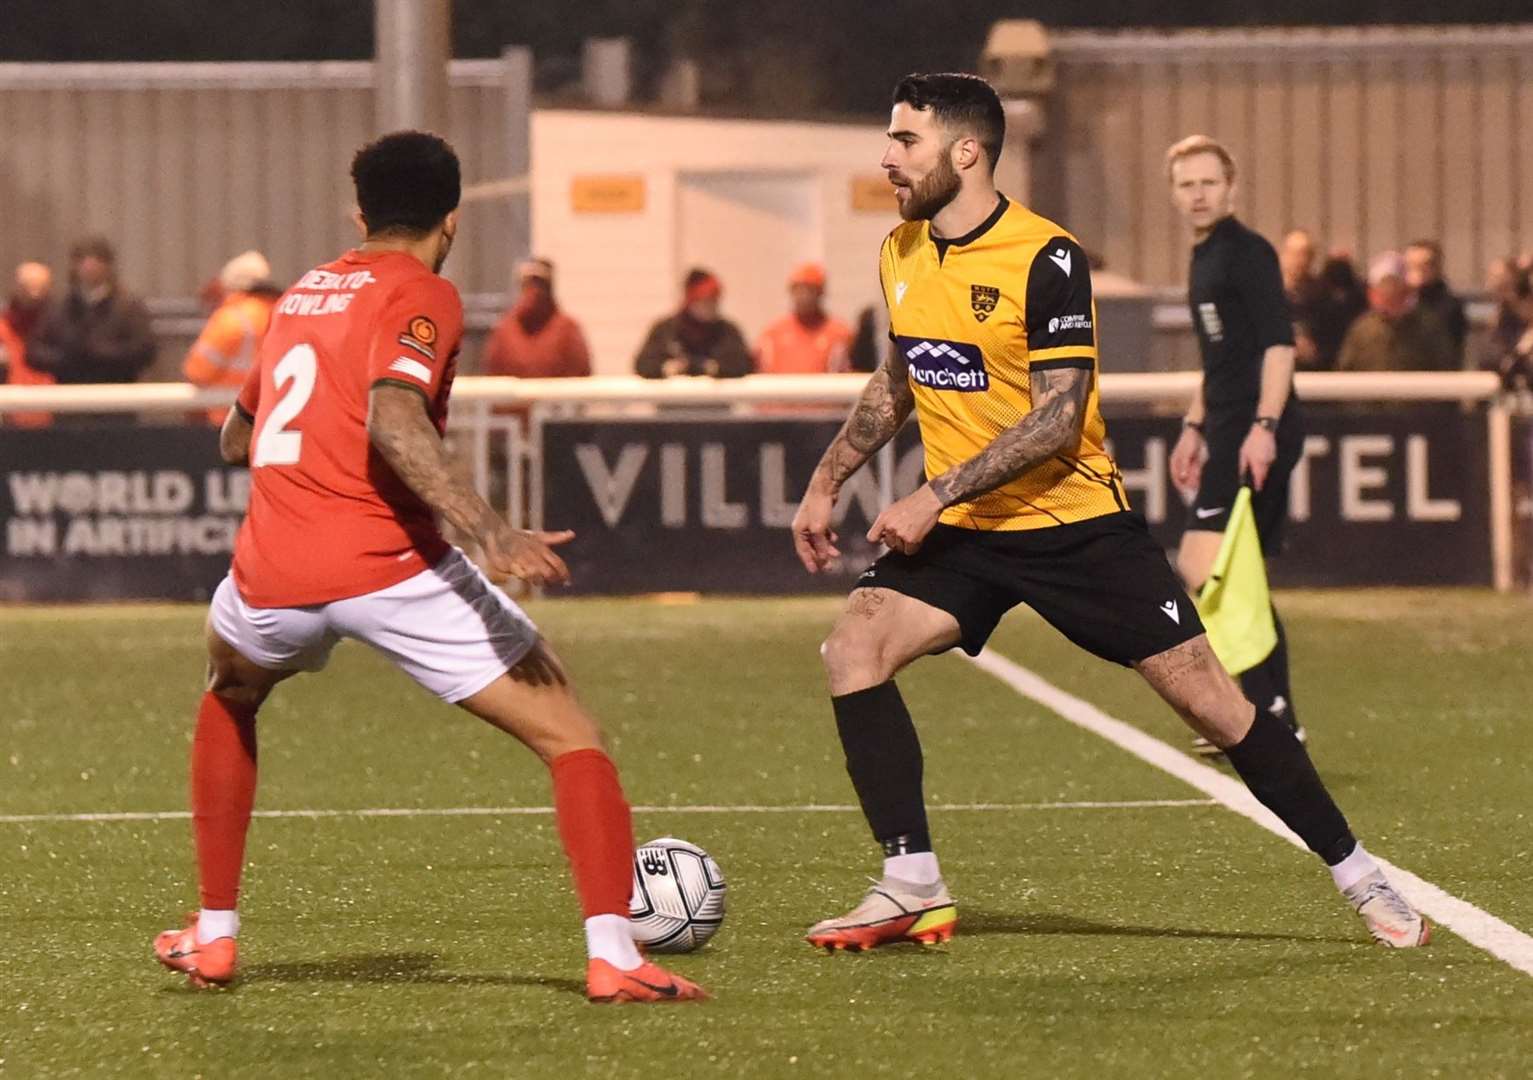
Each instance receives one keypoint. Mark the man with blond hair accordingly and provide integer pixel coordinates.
(1243, 425)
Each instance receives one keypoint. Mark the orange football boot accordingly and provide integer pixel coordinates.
(891, 911)
(609, 985)
(206, 966)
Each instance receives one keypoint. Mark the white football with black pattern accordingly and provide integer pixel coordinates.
(678, 896)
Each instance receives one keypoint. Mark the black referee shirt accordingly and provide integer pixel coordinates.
(1239, 309)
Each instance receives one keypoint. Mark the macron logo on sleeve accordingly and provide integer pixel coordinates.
(1060, 257)
(413, 368)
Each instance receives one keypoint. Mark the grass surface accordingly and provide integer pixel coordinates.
(1172, 941)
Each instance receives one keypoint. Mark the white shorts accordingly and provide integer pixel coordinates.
(447, 628)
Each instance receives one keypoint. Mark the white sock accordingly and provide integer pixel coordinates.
(918, 867)
(213, 924)
(1353, 868)
(610, 938)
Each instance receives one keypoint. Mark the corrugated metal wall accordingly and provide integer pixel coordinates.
(1369, 138)
(184, 165)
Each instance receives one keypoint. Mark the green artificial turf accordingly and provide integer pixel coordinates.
(1132, 942)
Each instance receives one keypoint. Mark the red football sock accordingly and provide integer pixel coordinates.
(223, 794)
(596, 829)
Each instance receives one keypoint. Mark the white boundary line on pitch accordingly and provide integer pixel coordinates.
(1480, 928)
(511, 811)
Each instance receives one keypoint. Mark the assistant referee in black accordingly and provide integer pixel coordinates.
(1244, 423)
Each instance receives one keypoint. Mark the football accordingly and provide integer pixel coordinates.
(678, 896)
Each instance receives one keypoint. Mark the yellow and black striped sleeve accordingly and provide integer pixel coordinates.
(1060, 317)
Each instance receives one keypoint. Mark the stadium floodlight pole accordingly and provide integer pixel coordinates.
(412, 47)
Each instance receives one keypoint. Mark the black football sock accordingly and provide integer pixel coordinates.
(883, 758)
(1280, 774)
(1282, 706)
(1266, 685)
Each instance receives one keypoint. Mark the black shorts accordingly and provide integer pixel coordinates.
(1104, 583)
(1225, 430)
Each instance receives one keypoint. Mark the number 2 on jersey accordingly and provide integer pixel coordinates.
(276, 445)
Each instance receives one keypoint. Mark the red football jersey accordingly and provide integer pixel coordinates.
(328, 517)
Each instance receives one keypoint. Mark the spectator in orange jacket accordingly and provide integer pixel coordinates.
(34, 283)
(806, 341)
(226, 349)
(535, 339)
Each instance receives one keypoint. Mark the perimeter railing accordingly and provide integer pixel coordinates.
(499, 422)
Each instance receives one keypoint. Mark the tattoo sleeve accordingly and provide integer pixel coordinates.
(885, 403)
(397, 425)
(1053, 423)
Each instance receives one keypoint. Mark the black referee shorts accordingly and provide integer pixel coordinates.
(1104, 583)
(1224, 430)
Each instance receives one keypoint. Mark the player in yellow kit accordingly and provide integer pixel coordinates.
(995, 350)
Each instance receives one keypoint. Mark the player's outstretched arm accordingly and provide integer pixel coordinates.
(881, 410)
(402, 432)
(1052, 425)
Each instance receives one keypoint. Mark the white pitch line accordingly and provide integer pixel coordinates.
(510, 811)
(1480, 928)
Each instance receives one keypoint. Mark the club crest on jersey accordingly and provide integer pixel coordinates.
(423, 330)
(983, 298)
(420, 335)
(944, 365)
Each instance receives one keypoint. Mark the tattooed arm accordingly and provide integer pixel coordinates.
(882, 409)
(1053, 424)
(880, 412)
(404, 436)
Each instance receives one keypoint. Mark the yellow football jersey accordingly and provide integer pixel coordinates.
(972, 317)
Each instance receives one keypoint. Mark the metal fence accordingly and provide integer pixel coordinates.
(1368, 137)
(1400, 473)
(184, 165)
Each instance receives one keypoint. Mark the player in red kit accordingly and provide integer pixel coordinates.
(341, 422)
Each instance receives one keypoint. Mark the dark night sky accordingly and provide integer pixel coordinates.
(788, 54)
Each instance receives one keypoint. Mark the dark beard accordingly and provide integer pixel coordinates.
(936, 189)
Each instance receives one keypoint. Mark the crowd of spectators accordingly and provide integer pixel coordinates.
(1401, 315)
(535, 339)
(92, 330)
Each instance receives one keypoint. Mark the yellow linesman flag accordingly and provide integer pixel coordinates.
(1234, 603)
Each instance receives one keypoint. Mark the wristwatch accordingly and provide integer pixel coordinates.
(1268, 422)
